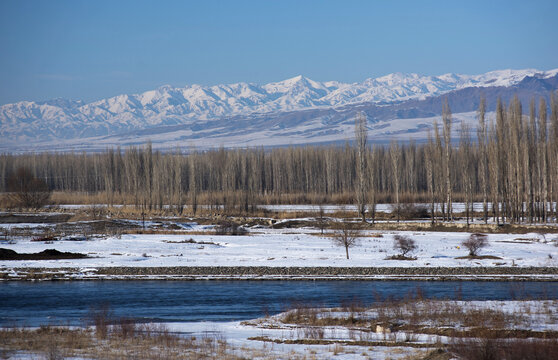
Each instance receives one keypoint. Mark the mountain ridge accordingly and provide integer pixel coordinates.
(290, 103)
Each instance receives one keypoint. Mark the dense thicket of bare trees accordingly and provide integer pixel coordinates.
(513, 163)
(26, 191)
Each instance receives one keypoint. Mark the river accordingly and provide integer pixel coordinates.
(33, 304)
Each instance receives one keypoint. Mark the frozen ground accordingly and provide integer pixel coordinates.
(298, 247)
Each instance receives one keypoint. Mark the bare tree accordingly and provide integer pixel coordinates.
(467, 168)
(542, 126)
(429, 155)
(404, 244)
(482, 137)
(321, 219)
(395, 154)
(446, 120)
(346, 237)
(500, 159)
(372, 183)
(554, 152)
(193, 184)
(530, 152)
(361, 136)
(438, 159)
(475, 242)
(515, 176)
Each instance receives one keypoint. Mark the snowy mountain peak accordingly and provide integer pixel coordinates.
(296, 82)
(295, 79)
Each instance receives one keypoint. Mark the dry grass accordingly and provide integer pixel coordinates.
(106, 337)
(454, 227)
(475, 332)
(342, 343)
(414, 314)
(479, 257)
(509, 349)
(208, 198)
(218, 205)
(124, 340)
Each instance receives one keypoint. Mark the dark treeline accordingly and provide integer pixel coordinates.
(512, 160)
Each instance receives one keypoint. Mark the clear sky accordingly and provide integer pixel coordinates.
(94, 49)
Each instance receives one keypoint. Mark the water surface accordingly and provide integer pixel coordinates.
(33, 304)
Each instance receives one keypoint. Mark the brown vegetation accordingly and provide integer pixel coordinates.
(25, 190)
(48, 254)
(404, 244)
(509, 349)
(475, 332)
(475, 242)
(125, 339)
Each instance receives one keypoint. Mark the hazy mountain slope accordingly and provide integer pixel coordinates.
(293, 111)
(166, 105)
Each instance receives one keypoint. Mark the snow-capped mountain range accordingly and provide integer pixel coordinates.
(192, 107)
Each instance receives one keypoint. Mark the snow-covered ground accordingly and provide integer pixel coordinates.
(238, 335)
(299, 247)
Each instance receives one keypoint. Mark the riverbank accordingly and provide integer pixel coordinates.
(284, 273)
(403, 329)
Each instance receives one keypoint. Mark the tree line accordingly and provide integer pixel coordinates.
(512, 161)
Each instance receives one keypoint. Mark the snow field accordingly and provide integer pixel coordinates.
(302, 247)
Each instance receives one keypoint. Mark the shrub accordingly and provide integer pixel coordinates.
(227, 227)
(409, 211)
(474, 243)
(101, 318)
(404, 244)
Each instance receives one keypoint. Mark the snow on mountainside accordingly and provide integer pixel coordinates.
(167, 105)
(293, 111)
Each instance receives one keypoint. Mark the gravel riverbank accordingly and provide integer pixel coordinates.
(286, 273)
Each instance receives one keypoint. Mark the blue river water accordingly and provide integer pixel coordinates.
(33, 304)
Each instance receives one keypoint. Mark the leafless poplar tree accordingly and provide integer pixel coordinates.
(193, 185)
(543, 171)
(395, 154)
(372, 184)
(554, 152)
(482, 136)
(466, 167)
(447, 120)
(361, 136)
(429, 154)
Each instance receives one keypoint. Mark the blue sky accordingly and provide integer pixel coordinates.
(94, 49)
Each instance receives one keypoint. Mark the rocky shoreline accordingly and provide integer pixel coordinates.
(284, 273)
